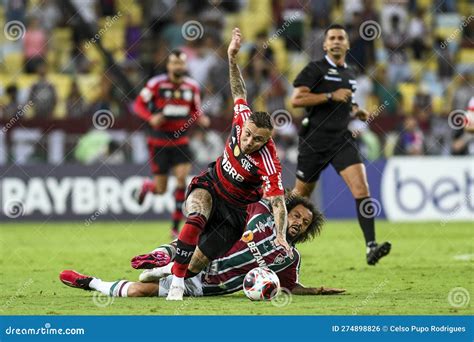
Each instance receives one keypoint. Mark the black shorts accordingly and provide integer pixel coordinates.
(163, 159)
(312, 163)
(226, 223)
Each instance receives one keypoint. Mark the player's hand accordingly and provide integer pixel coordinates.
(362, 114)
(204, 121)
(281, 241)
(234, 45)
(325, 291)
(342, 95)
(157, 119)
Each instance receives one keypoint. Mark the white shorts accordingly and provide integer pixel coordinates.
(192, 286)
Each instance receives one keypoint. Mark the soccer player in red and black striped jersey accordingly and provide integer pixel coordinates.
(225, 274)
(217, 199)
(169, 104)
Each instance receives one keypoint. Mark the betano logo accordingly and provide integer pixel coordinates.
(428, 189)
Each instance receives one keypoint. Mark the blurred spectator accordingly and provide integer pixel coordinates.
(386, 93)
(200, 66)
(220, 83)
(445, 61)
(34, 45)
(261, 46)
(314, 41)
(464, 91)
(87, 9)
(367, 141)
(364, 87)
(12, 105)
(274, 90)
(417, 33)
(206, 146)
(468, 33)
(286, 141)
(75, 105)
(15, 10)
(439, 139)
(411, 139)
(361, 51)
(132, 39)
(212, 102)
(47, 13)
(106, 8)
(43, 94)
(172, 32)
(293, 20)
(463, 137)
(423, 108)
(395, 41)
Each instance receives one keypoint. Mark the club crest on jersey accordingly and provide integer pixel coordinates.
(279, 259)
(246, 164)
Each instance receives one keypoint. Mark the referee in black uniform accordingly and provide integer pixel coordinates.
(325, 89)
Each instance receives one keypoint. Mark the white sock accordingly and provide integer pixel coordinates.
(111, 288)
(168, 249)
(179, 282)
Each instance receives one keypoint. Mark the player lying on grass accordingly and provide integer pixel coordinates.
(225, 274)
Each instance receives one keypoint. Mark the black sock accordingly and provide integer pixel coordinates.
(190, 274)
(366, 213)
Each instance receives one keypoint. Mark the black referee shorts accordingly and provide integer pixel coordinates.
(312, 162)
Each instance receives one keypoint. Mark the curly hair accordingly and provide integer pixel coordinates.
(317, 222)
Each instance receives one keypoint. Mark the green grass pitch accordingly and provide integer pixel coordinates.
(427, 261)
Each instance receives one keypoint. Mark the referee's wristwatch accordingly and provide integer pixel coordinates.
(329, 96)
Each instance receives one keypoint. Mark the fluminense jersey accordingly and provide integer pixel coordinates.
(240, 177)
(226, 274)
(180, 103)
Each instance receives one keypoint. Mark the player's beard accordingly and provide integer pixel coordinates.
(179, 73)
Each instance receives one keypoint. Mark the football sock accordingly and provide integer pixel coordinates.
(190, 274)
(168, 249)
(179, 197)
(111, 288)
(187, 241)
(366, 219)
(149, 185)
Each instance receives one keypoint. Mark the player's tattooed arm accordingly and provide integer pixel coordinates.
(237, 84)
(308, 291)
(281, 219)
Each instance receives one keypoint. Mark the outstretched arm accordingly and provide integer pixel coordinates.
(281, 221)
(237, 84)
(301, 290)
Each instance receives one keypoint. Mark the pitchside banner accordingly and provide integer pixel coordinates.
(91, 193)
(408, 189)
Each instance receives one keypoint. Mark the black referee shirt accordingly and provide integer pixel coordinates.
(330, 119)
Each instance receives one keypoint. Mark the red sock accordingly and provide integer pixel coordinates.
(187, 241)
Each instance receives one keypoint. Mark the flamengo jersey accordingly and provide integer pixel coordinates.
(241, 176)
(180, 103)
(226, 274)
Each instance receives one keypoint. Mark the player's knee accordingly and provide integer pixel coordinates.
(134, 291)
(361, 190)
(141, 290)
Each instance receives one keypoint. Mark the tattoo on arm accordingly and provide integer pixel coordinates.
(237, 84)
(279, 210)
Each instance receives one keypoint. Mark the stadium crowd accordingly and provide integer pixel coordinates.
(413, 58)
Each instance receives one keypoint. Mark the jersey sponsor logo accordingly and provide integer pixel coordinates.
(249, 157)
(231, 171)
(329, 78)
(236, 150)
(256, 254)
(176, 110)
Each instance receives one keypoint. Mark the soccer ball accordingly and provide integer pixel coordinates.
(261, 284)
